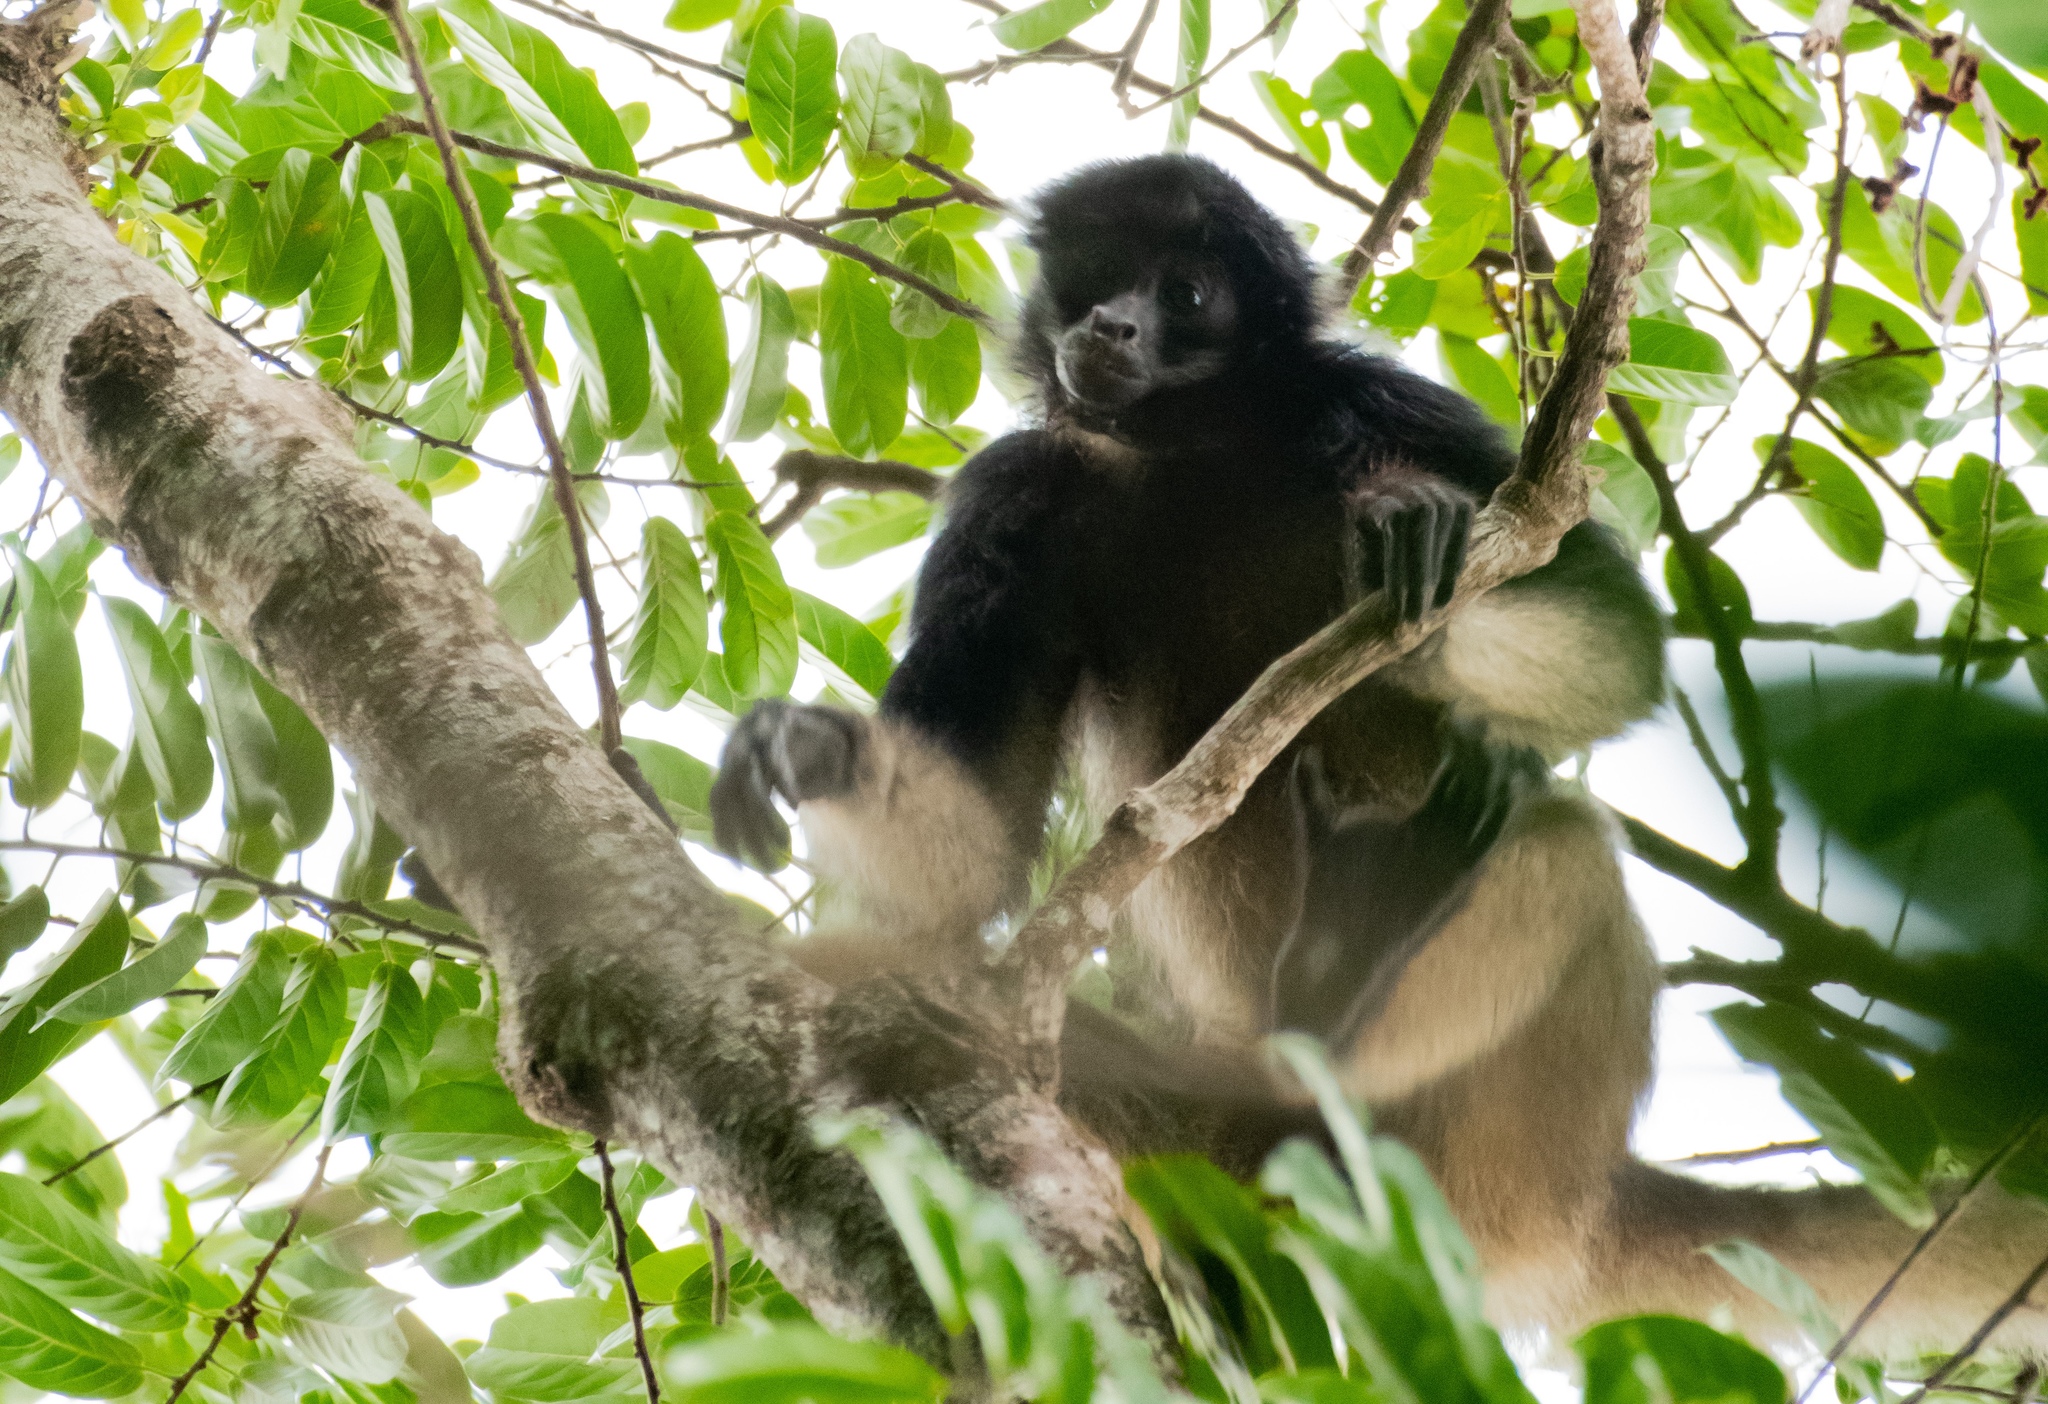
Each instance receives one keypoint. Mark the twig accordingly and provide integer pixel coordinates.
(1736, 1157)
(1127, 57)
(152, 1119)
(1997, 1318)
(500, 293)
(577, 20)
(261, 886)
(1704, 747)
(1966, 267)
(1474, 44)
(966, 190)
(1923, 646)
(624, 1259)
(243, 1312)
(1200, 80)
(814, 474)
(393, 123)
(721, 1270)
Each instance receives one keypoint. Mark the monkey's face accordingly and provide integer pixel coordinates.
(1128, 329)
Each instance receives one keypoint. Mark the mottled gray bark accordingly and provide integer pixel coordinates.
(634, 1004)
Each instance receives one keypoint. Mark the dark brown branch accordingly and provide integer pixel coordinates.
(243, 1312)
(966, 190)
(152, 1119)
(623, 1259)
(1473, 47)
(814, 474)
(499, 291)
(395, 123)
(261, 886)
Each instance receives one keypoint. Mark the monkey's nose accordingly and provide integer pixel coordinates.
(1111, 327)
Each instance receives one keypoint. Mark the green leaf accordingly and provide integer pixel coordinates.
(341, 295)
(700, 14)
(596, 299)
(535, 585)
(688, 317)
(1358, 78)
(1468, 203)
(1790, 1293)
(467, 1121)
(1833, 500)
(243, 737)
(170, 730)
(1290, 110)
(354, 37)
(1864, 1113)
(792, 99)
(846, 643)
(865, 362)
(303, 212)
(1731, 597)
(878, 121)
(547, 1352)
(160, 969)
(558, 104)
(852, 528)
(1667, 1360)
(237, 1018)
(379, 1066)
(1472, 368)
(464, 1250)
(757, 623)
(425, 282)
(928, 253)
(10, 455)
(1864, 324)
(46, 1347)
(1673, 362)
(945, 370)
(305, 769)
(22, 920)
(1880, 401)
(1626, 500)
(95, 951)
(2032, 237)
(45, 692)
(504, 1187)
(1882, 245)
(1192, 52)
(791, 1364)
(1035, 26)
(350, 1331)
(680, 781)
(2014, 28)
(665, 651)
(761, 374)
(272, 1081)
(54, 1248)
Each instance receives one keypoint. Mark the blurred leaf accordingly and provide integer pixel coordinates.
(52, 1247)
(1860, 1109)
(1667, 1360)
(466, 1121)
(929, 254)
(1880, 401)
(27, 1046)
(1882, 245)
(170, 730)
(683, 307)
(305, 768)
(760, 377)
(351, 1331)
(846, 643)
(159, 969)
(1791, 1294)
(1472, 368)
(1626, 500)
(680, 781)
(1034, 26)
(757, 620)
(792, 99)
(853, 527)
(1730, 596)
(945, 370)
(1467, 203)
(865, 362)
(241, 731)
(793, 1364)
(22, 920)
(379, 1066)
(544, 1351)
(1833, 500)
(1291, 113)
(1191, 54)
(273, 1080)
(46, 1347)
(535, 585)
(1358, 78)
(665, 650)
(2014, 28)
(45, 692)
(303, 211)
(465, 1250)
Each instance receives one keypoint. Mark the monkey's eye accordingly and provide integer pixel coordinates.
(1180, 295)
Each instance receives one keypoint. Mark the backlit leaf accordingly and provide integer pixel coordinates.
(666, 649)
(159, 969)
(792, 98)
(846, 643)
(313, 1010)
(242, 735)
(50, 1245)
(170, 730)
(46, 1347)
(425, 282)
(27, 1045)
(865, 362)
(303, 212)
(237, 1018)
(45, 692)
(757, 619)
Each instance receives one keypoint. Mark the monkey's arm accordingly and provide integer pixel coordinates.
(923, 822)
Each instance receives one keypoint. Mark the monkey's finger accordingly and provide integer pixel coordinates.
(1457, 537)
(1428, 556)
(1394, 543)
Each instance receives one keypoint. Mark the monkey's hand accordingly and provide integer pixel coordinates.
(779, 749)
(1476, 787)
(1412, 529)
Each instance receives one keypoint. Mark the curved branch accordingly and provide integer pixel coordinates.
(814, 474)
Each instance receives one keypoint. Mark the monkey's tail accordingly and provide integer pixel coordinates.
(1844, 1243)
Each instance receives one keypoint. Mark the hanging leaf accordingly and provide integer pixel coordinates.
(680, 781)
(757, 620)
(159, 969)
(303, 212)
(341, 295)
(380, 1064)
(846, 643)
(45, 692)
(1193, 53)
(49, 1245)
(878, 121)
(865, 363)
(243, 738)
(1668, 1360)
(351, 1331)
(665, 651)
(792, 98)
(558, 104)
(535, 586)
(237, 1018)
(1035, 26)
(945, 370)
(425, 282)
(852, 528)
(688, 317)
(305, 768)
(27, 1045)
(547, 1352)
(170, 730)
(760, 380)
(46, 1347)
(1833, 500)
(23, 920)
(603, 315)
(311, 1014)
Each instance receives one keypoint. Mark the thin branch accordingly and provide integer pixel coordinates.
(500, 293)
(1704, 747)
(721, 1270)
(1279, 18)
(1845, 636)
(1983, 1333)
(1764, 1152)
(814, 474)
(1474, 44)
(623, 1257)
(261, 886)
(1127, 57)
(578, 20)
(964, 189)
(394, 123)
(152, 1119)
(243, 1312)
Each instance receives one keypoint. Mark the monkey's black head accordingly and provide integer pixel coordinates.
(1157, 275)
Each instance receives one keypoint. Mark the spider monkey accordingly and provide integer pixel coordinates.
(1209, 480)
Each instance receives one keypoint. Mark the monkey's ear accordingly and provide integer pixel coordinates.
(1315, 804)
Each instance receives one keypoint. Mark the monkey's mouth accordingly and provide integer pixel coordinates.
(1098, 376)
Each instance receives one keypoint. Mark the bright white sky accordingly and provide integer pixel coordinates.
(1030, 125)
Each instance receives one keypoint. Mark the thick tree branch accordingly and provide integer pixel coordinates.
(814, 474)
(634, 1003)
(1474, 47)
